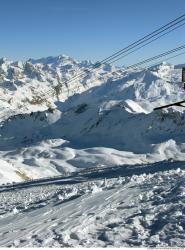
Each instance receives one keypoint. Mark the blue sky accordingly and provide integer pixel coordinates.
(86, 29)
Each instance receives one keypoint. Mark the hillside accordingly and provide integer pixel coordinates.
(51, 125)
(88, 163)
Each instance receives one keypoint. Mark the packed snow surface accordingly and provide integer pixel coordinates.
(112, 167)
(138, 210)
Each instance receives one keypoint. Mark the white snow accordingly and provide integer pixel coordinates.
(123, 162)
(7, 172)
(142, 210)
(110, 115)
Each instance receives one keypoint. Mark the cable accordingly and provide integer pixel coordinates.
(135, 44)
(135, 66)
(156, 57)
(146, 39)
(167, 59)
(90, 70)
(147, 43)
(155, 31)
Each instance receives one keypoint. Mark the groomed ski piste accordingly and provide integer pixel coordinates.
(89, 163)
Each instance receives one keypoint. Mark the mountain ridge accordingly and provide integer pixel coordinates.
(103, 118)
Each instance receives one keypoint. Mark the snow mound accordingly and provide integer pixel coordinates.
(133, 107)
(9, 173)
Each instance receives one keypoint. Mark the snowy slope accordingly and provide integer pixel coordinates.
(102, 119)
(88, 162)
(35, 84)
(141, 210)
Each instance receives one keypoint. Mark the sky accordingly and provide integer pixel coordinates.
(86, 29)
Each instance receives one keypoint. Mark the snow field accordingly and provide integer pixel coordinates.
(143, 210)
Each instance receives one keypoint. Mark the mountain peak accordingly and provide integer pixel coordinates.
(51, 59)
(4, 60)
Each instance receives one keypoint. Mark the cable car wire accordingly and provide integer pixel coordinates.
(133, 45)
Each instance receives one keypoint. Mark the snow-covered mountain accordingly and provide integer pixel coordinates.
(117, 166)
(51, 125)
(35, 84)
